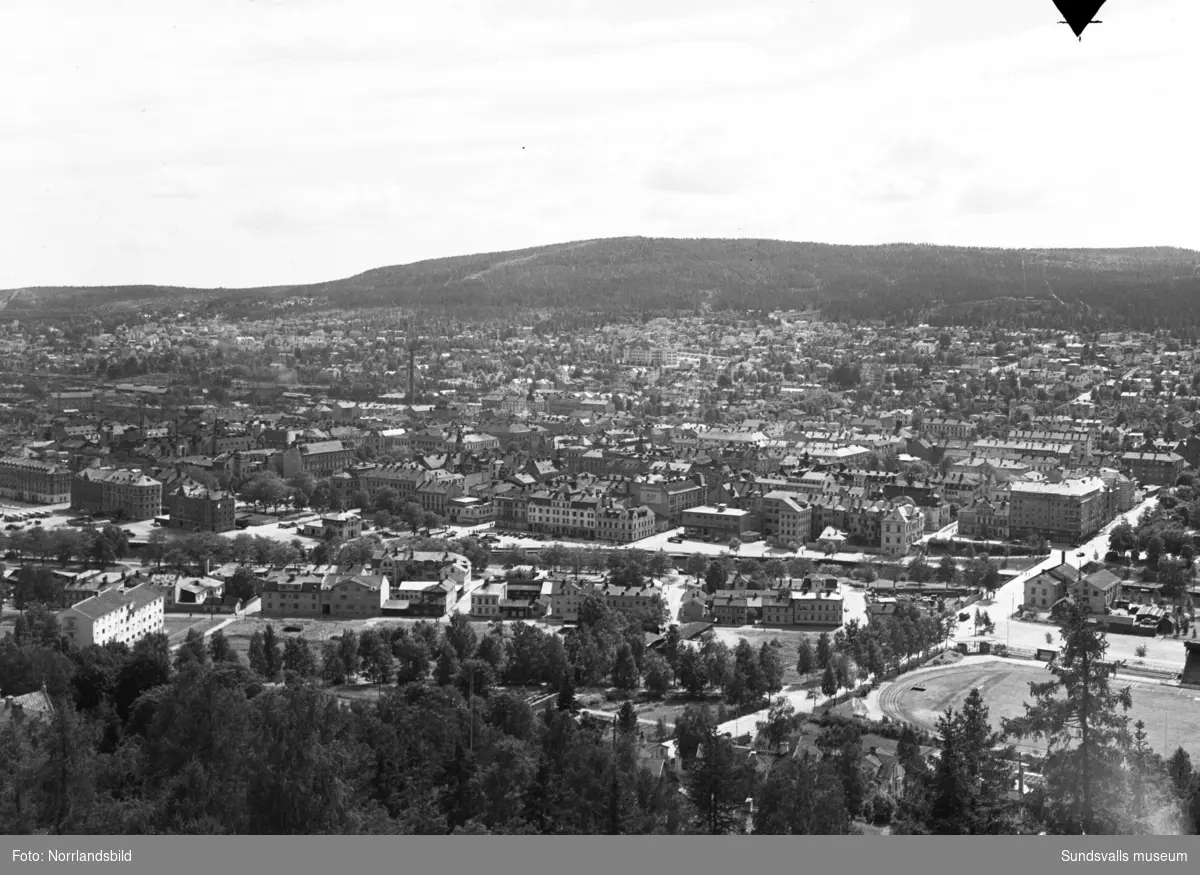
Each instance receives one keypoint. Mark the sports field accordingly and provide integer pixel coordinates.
(1171, 714)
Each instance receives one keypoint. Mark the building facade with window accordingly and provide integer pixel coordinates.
(194, 507)
(567, 513)
(787, 516)
(357, 596)
(124, 492)
(124, 616)
(35, 481)
(1070, 511)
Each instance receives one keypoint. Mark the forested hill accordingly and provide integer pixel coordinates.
(1134, 288)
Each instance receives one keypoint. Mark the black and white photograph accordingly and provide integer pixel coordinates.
(599, 418)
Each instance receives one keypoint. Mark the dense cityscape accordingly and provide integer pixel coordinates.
(272, 566)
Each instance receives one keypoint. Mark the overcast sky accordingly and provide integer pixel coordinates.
(253, 142)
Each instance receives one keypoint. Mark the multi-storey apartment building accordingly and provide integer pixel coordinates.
(356, 595)
(512, 507)
(1071, 511)
(565, 512)
(468, 510)
(124, 616)
(123, 492)
(667, 498)
(196, 508)
(623, 525)
(293, 593)
(817, 608)
(564, 597)
(1040, 455)
(719, 522)
(436, 493)
(320, 458)
(1153, 469)
(984, 519)
(949, 428)
(787, 516)
(1081, 439)
(35, 481)
(901, 527)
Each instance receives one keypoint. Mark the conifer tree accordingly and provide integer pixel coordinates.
(1084, 721)
(712, 785)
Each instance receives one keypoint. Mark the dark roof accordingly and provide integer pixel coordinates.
(693, 630)
(35, 704)
(114, 599)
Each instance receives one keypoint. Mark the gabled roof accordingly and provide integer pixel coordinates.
(115, 599)
(35, 704)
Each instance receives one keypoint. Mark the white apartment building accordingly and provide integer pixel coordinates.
(125, 616)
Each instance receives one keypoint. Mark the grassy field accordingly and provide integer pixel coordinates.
(789, 639)
(178, 624)
(314, 631)
(1171, 714)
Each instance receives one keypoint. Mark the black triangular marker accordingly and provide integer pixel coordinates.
(1079, 13)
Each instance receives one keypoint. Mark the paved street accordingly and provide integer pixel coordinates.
(1029, 636)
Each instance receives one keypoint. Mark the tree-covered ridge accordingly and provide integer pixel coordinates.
(1137, 288)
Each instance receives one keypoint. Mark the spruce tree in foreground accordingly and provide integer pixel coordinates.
(1084, 721)
(713, 786)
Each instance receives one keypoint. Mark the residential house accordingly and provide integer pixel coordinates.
(1043, 591)
(1098, 590)
(343, 526)
(293, 593)
(31, 706)
(486, 598)
(357, 596)
(732, 609)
